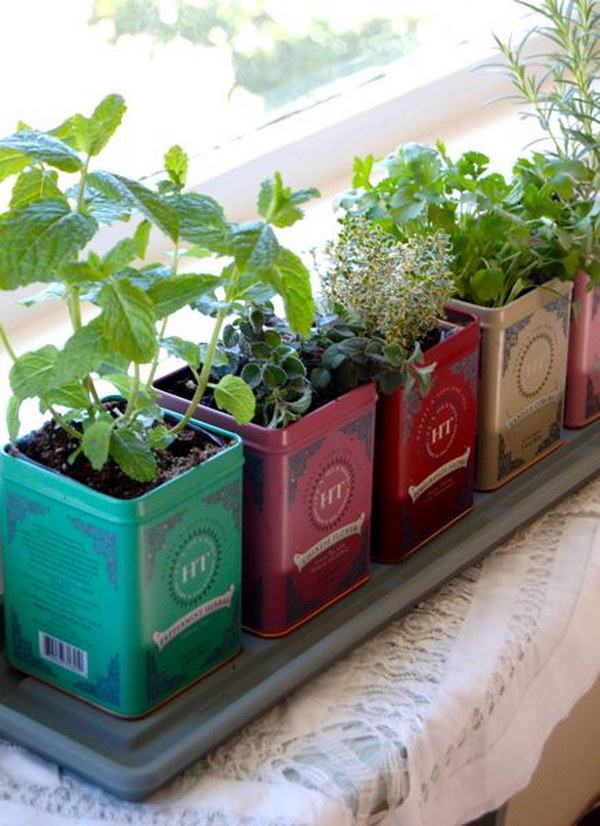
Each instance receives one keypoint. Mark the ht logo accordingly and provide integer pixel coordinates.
(332, 494)
(441, 430)
(193, 569)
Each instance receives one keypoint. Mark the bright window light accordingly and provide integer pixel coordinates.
(201, 72)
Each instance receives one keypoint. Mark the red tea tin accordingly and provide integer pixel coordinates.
(582, 403)
(424, 465)
(307, 508)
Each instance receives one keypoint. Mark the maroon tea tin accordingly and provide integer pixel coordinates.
(424, 465)
(582, 403)
(307, 507)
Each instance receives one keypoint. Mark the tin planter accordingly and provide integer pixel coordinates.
(425, 448)
(122, 603)
(522, 381)
(307, 507)
(582, 403)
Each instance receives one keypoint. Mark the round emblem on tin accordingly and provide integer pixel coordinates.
(195, 565)
(331, 492)
(535, 364)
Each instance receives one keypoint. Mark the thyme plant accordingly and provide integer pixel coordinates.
(397, 289)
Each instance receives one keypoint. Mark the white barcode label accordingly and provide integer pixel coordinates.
(59, 652)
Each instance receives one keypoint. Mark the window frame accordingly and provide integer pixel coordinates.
(316, 147)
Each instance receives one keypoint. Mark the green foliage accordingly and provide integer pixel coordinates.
(505, 235)
(45, 237)
(269, 58)
(558, 85)
(234, 395)
(291, 375)
(398, 289)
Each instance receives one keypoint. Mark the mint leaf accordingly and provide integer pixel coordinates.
(159, 437)
(279, 205)
(255, 247)
(103, 123)
(81, 272)
(39, 146)
(233, 395)
(35, 185)
(132, 455)
(171, 294)
(180, 348)
(81, 355)
(32, 374)
(142, 236)
(122, 254)
(135, 195)
(127, 320)
(90, 135)
(95, 442)
(289, 277)
(202, 222)
(176, 165)
(70, 395)
(121, 381)
(11, 162)
(12, 417)
(103, 209)
(37, 239)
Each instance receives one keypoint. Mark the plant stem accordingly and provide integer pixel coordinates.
(6, 342)
(133, 395)
(163, 326)
(65, 425)
(82, 181)
(204, 374)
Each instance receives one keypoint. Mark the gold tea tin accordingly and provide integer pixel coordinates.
(523, 364)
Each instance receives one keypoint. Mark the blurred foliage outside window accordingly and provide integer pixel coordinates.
(200, 72)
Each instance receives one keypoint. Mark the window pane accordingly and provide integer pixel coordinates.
(200, 72)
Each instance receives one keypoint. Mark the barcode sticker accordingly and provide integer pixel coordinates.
(59, 652)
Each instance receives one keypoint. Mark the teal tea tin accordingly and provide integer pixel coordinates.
(122, 603)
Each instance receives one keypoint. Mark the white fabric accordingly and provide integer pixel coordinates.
(436, 720)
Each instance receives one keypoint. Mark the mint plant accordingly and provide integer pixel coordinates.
(45, 236)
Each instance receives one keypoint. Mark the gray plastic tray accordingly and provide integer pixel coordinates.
(134, 758)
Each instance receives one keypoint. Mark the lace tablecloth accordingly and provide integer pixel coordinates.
(434, 721)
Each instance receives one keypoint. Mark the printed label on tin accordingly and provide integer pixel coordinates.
(62, 653)
(352, 529)
(538, 404)
(163, 638)
(415, 491)
(535, 362)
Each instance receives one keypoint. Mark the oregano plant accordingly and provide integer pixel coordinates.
(60, 201)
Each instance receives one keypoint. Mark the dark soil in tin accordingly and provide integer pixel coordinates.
(51, 446)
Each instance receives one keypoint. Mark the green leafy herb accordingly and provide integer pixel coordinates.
(45, 236)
